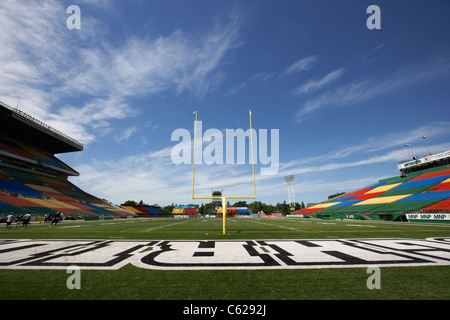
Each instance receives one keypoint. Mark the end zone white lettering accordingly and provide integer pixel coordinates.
(223, 254)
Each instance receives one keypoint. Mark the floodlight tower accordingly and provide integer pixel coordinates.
(290, 181)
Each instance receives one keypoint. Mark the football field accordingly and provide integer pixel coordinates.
(237, 229)
(257, 259)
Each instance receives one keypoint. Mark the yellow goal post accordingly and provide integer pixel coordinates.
(224, 199)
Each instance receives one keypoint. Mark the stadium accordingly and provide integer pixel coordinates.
(105, 103)
(33, 180)
(397, 223)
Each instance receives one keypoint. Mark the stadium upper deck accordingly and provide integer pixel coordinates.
(25, 128)
(32, 179)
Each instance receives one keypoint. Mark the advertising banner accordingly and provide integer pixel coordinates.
(428, 216)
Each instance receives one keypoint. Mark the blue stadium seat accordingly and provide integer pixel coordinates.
(16, 187)
(438, 195)
(421, 182)
(93, 206)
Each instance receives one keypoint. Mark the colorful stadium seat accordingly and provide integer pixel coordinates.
(420, 191)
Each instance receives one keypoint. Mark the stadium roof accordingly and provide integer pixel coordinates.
(23, 127)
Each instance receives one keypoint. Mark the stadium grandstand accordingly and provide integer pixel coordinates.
(33, 180)
(420, 193)
(191, 211)
(148, 211)
(182, 211)
(234, 211)
(231, 211)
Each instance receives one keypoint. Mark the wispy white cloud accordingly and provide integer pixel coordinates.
(376, 144)
(237, 88)
(366, 89)
(126, 134)
(334, 166)
(260, 77)
(300, 65)
(313, 85)
(263, 76)
(153, 177)
(372, 55)
(106, 5)
(78, 81)
(322, 185)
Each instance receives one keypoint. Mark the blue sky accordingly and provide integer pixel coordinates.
(344, 98)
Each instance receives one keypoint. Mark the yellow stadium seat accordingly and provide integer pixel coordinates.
(324, 205)
(382, 200)
(42, 188)
(383, 188)
(131, 209)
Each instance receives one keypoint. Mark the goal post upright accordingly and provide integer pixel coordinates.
(224, 199)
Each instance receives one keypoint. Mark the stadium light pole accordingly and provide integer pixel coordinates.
(426, 142)
(409, 153)
(290, 180)
(412, 151)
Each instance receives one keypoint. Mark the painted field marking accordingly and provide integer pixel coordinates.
(223, 254)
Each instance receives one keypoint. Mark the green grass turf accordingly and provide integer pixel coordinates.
(237, 229)
(134, 283)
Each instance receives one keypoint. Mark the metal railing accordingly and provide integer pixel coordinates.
(25, 116)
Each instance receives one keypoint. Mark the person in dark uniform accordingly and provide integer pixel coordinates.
(55, 219)
(25, 221)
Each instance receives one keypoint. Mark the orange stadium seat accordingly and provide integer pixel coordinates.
(366, 196)
(443, 206)
(432, 175)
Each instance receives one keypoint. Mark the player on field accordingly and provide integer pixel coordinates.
(9, 220)
(55, 218)
(25, 221)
